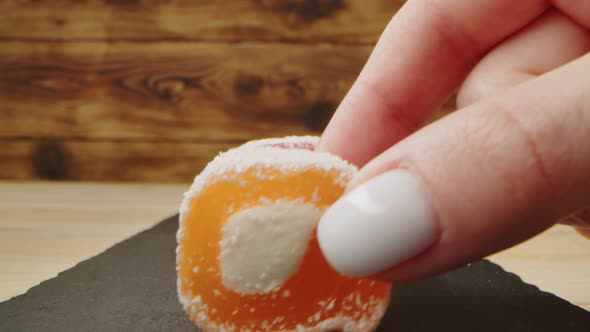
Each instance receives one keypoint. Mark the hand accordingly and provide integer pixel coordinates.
(513, 159)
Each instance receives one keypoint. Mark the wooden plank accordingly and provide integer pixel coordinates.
(140, 161)
(130, 111)
(48, 227)
(335, 21)
(111, 160)
(565, 249)
(171, 90)
(105, 161)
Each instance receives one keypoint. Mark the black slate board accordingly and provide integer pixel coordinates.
(132, 287)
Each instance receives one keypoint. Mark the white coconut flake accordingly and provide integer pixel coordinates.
(331, 305)
(349, 324)
(289, 142)
(287, 155)
(257, 154)
(315, 195)
(262, 246)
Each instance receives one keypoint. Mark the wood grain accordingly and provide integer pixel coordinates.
(310, 21)
(171, 91)
(151, 90)
(46, 228)
(157, 112)
(105, 161)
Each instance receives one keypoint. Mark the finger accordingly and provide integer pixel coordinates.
(476, 182)
(579, 11)
(584, 232)
(423, 54)
(579, 219)
(549, 42)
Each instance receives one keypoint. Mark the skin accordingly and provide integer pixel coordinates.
(521, 130)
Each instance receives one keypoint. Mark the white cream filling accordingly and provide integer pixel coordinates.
(264, 245)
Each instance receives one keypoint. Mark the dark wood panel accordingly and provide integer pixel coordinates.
(145, 161)
(335, 21)
(171, 91)
(105, 161)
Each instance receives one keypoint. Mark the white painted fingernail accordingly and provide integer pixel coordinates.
(378, 225)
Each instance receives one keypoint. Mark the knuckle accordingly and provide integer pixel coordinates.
(506, 150)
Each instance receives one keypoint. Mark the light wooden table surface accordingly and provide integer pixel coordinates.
(46, 228)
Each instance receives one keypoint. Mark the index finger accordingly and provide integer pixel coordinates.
(423, 54)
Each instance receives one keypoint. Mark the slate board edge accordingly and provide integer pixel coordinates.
(111, 248)
(175, 217)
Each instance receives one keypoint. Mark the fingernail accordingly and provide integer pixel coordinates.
(378, 225)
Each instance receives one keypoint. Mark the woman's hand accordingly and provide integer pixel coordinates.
(511, 161)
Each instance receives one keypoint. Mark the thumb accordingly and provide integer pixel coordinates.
(476, 182)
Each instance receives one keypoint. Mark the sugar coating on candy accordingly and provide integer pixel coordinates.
(252, 262)
(290, 142)
(339, 322)
(230, 164)
(262, 246)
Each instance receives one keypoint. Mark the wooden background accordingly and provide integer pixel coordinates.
(114, 90)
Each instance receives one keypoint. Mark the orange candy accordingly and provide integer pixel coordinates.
(247, 257)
